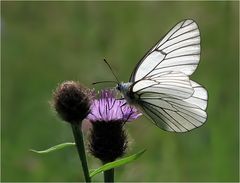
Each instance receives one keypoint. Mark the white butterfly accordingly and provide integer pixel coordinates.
(160, 84)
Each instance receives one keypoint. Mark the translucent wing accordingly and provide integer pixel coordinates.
(178, 51)
(174, 84)
(177, 110)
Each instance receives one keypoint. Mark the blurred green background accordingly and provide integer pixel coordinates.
(45, 43)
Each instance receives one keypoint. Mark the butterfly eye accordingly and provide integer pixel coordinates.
(118, 87)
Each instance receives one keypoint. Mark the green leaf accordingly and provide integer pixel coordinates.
(117, 163)
(54, 148)
(91, 170)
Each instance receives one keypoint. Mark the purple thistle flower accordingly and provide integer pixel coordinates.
(107, 108)
(107, 138)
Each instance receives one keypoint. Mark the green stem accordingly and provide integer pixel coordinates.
(81, 150)
(109, 175)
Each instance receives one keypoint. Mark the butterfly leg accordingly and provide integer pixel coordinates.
(120, 98)
(130, 113)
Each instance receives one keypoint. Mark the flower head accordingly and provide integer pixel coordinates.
(107, 108)
(108, 139)
(72, 102)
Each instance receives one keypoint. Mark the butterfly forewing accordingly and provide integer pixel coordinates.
(178, 51)
(175, 84)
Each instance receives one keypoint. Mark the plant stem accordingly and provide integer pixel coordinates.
(77, 132)
(109, 175)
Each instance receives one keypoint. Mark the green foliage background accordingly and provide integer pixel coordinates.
(45, 43)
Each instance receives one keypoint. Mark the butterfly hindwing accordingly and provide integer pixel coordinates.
(174, 113)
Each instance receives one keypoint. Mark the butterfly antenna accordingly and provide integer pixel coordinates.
(104, 82)
(111, 70)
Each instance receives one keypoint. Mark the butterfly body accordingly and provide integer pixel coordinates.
(125, 90)
(160, 85)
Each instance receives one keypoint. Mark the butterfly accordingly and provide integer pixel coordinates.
(160, 86)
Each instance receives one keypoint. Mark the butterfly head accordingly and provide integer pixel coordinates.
(123, 87)
(119, 87)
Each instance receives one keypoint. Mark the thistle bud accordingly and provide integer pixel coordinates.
(72, 102)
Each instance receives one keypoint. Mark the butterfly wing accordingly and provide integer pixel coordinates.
(161, 85)
(178, 51)
(173, 105)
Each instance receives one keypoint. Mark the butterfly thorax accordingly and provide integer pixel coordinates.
(125, 89)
